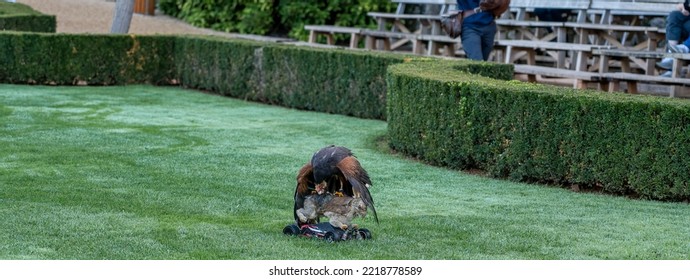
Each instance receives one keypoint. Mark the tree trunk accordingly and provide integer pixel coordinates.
(122, 17)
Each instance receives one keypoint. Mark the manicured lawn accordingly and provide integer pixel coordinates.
(142, 172)
(7, 8)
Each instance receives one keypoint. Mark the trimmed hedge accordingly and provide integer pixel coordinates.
(20, 17)
(456, 113)
(336, 81)
(332, 81)
(340, 82)
(622, 144)
(39, 58)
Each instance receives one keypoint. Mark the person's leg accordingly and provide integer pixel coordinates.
(472, 42)
(675, 27)
(488, 36)
(478, 42)
(686, 46)
(685, 31)
(679, 27)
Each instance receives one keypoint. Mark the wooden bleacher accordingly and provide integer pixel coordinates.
(603, 43)
(330, 30)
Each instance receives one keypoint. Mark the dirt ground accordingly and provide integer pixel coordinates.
(95, 16)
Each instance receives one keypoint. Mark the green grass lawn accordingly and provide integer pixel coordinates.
(142, 172)
(7, 8)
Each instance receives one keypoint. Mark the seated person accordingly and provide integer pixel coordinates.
(677, 27)
(557, 15)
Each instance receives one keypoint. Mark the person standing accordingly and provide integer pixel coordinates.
(479, 27)
(478, 30)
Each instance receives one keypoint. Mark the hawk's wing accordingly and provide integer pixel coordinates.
(358, 181)
(305, 186)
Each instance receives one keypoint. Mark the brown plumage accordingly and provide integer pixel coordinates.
(334, 170)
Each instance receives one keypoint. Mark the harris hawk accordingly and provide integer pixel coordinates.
(335, 170)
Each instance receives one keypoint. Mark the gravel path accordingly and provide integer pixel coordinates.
(95, 16)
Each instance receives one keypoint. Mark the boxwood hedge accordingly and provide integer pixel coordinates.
(623, 144)
(456, 113)
(20, 17)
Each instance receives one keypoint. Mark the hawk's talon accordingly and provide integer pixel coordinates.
(339, 194)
